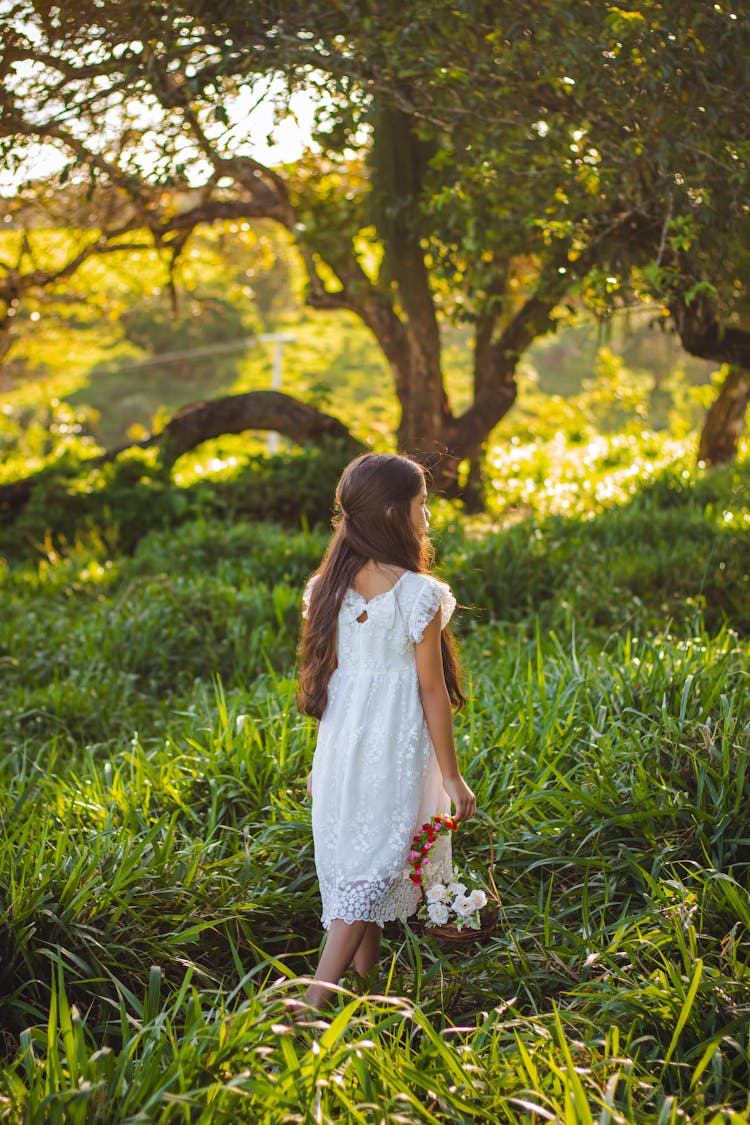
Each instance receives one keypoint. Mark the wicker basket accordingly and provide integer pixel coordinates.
(488, 919)
(450, 932)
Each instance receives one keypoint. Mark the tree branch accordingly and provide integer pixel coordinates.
(233, 414)
(360, 296)
(15, 284)
(237, 167)
(703, 335)
(191, 426)
(495, 375)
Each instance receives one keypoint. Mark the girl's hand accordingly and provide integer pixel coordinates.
(309, 784)
(462, 797)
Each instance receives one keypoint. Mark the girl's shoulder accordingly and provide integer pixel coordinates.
(421, 584)
(424, 595)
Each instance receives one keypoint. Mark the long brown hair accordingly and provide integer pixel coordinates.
(372, 520)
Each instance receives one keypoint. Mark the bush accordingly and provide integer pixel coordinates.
(121, 502)
(679, 549)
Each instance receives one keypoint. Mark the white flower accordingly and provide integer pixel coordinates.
(438, 913)
(456, 889)
(478, 900)
(438, 892)
(462, 906)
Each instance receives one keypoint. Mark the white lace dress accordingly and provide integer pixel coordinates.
(375, 777)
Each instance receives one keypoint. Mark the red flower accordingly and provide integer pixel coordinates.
(424, 839)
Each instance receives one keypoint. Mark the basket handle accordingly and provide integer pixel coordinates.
(491, 870)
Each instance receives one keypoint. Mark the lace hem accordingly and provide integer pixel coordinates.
(398, 907)
(382, 901)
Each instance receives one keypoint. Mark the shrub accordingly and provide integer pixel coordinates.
(121, 502)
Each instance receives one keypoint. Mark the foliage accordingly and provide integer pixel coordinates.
(555, 560)
(156, 859)
(632, 123)
(524, 173)
(122, 501)
(332, 362)
(551, 557)
(97, 345)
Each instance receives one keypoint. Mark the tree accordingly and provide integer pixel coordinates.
(689, 189)
(472, 162)
(357, 212)
(641, 121)
(725, 419)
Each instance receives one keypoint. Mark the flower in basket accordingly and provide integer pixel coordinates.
(423, 841)
(445, 904)
(451, 903)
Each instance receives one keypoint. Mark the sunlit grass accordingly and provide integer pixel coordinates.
(157, 884)
(614, 786)
(560, 478)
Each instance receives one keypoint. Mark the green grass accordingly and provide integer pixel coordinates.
(623, 937)
(157, 887)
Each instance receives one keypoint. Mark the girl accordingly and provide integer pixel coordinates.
(380, 674)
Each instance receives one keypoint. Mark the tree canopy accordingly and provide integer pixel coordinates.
(472, 161)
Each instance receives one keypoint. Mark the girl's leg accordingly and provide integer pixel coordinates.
(366, 957)
(341, 945)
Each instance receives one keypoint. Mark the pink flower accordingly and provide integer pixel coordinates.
(423, 841)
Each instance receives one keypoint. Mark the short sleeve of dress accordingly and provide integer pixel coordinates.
(432, 596)
(306, 595)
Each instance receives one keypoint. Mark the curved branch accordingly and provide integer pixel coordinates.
(191, 426)
(702, 334)
(233, 414)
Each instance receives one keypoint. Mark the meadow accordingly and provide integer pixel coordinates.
(157, 889)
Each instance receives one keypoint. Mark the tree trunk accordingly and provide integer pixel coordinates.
(704, 335)
(398, 163)
(725, 419)
(191, 426)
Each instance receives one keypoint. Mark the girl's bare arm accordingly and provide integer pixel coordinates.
(437, 708)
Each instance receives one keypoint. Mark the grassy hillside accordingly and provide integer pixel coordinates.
(156, 871)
